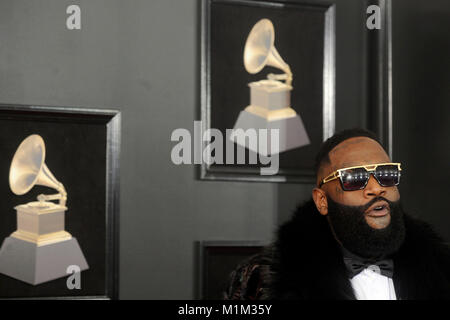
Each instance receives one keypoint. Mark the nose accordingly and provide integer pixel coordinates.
(373, 188)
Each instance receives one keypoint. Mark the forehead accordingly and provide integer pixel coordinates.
(357, 151)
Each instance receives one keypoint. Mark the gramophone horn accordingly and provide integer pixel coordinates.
(260, 50)
(28, 167)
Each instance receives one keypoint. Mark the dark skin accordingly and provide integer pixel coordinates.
(353, 152)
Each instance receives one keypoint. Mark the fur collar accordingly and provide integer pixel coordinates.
(307, 261)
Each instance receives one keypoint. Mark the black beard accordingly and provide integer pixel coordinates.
(355, 234)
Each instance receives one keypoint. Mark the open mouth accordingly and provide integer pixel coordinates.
(378, 209)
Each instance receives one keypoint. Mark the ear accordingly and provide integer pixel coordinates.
(320, 199)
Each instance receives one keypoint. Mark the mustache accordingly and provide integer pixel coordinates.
(366, 206)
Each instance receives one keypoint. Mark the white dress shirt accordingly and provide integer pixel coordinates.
(369, 284)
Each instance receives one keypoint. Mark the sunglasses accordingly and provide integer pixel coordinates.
(356, 178)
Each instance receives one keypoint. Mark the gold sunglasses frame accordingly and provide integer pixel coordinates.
(370, 168)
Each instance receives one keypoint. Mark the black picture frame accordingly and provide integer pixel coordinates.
(87, 141)
(217, 259)
(377, 51)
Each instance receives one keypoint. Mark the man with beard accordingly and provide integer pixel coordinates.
(352, 240)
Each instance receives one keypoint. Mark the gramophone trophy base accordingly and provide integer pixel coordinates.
(292, 133)
(40, 249)
(33, 264)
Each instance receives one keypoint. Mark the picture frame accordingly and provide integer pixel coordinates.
(217, 259)
(82, 149)
(225, 25)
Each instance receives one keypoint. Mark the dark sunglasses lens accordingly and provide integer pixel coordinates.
(354, 179)
(388, 175)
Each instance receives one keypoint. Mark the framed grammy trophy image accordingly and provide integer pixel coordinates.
(59, 215)
(268, 65)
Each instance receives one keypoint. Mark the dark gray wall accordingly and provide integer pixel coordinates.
(421, 85)
(142, 58)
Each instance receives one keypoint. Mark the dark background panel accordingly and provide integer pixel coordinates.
(421, 82)
(76, 155)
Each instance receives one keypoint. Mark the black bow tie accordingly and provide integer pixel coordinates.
(357, 264)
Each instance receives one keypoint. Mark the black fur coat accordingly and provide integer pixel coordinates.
(305, 262)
